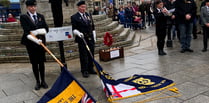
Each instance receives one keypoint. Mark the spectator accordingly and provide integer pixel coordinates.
(205, 24)
(11, 18)
(185, 13)
(129, 13)
(121, 16)
(96, 11)
(137, 21)
(102, 12)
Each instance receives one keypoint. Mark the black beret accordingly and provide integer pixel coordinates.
(30, 2)
(81, 3)
(206, 0)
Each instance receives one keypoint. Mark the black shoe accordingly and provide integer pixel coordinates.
(183, 51)
(204, 50)
(44, 85)
(85, 74)
(161, 52)
(38, 86)
(189, 50)
(92, 72)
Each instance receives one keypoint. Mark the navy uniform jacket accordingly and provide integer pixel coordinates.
(34, 50)
(28, 25)
(79, 24)
(160, 20)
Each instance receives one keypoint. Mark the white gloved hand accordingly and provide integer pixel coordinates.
(37, 41)
(41, 31)
(78, 33)
(95, 36)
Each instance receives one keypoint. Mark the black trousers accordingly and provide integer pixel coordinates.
(37, 59)
(161, 34)
(85, 58)
(205, 37)
(39, 68)
(57, 14)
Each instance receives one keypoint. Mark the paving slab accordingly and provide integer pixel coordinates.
(190, 90)
(198, 99)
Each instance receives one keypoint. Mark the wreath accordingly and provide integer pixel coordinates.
(108, 39)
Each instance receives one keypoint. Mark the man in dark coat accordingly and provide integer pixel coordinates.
(204, 15)
(83, 27)
(33, 22)
(185, 11)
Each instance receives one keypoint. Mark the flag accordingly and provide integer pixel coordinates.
(67, 89)
(131, 86)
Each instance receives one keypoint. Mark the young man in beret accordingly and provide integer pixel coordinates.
(35, 23)
(83, 27)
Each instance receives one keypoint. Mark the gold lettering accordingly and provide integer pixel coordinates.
(143, 81)
(71, 98)
(61, 100)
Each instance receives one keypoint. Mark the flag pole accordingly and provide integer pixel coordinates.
(57, 60)
(87, 47)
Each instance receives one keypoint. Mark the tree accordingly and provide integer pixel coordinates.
(5, 3)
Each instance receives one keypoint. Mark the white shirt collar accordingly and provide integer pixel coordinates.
(32, 14)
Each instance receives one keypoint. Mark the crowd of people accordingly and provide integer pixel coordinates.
(131, 15)
(183, 19)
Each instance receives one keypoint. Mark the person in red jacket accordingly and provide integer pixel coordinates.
(11, 18)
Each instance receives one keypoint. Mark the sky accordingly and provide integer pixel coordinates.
(14, 0)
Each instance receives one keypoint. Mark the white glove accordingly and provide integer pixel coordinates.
(95, 36)
(78, 33)
(37, 41)
(41, 31)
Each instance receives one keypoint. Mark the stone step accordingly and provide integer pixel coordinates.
(103, 22)
(7, 38)
(69, 45)
(69, 55)
(106, 28)
(116, 30)
(17, 37)
(97, 18)
(11, 25)
(100, 31)
(4, 31)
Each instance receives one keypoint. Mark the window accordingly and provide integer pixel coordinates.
(120, 2)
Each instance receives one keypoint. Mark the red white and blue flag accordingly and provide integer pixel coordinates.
(130, 86)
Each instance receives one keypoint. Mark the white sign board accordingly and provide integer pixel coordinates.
(59, 34)
(114, 54)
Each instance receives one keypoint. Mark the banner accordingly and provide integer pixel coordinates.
(59, 34)
(66, 89)
(131, 86)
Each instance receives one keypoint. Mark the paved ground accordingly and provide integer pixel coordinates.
(190, 71)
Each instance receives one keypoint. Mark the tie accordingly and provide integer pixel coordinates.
(35, 19)
(84, 18)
